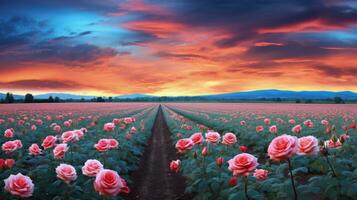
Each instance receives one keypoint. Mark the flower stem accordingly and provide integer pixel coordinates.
(292, 179)
(332, 169)
(246, 187)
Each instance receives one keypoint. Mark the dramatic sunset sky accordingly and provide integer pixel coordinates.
(181, 47)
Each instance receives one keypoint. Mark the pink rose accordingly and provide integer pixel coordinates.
(309, 123)
(213, 137)
(108, 127)
(9, 133)
(291, 122)
(333, 144)
(79, 134)
(183, 145)
(242, 164)
(133, 130)
(273, 129)
(9, 146)
(113, 143)
(49, 142)
(324, 122)
(60, 150)
(197, 138)
(229, 139)
(69, 136)
(67, 123)
(259, 129)
(66, 172)
(19, 185)
(18, 144)
(261, 174)
(296, 129)
(102, 145)
(116, 121)
(57, 128)
(92, 167)
(243, 123)
(9, 162)
(109, 183)
(175, 165)
(308, 145)
(35, 150)
(267, 121)
(33, 128)
(282, 147)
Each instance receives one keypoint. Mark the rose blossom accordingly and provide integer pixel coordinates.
(242, 164)
(92, 167)
(324, 122)
(296, 129)
(109, 183)
(291, 122)
(229, 139)
(175, 165)
(49, 142)
(69, 136)
(18, 144)
(113, 143)
(9, 162)
(9, 146)
(60, 150)
(260, 174)
(273, 129)
(243, 123)
(267, 121)
(57, 128)
(34, 149)
(259, 129)
(19, 185)
(9, 133)
(102, 145)
(213, 137)
(182, 145)
(333, 145)
(108, 127)
(282, 147)
(308, 145)
(133, 130)
(66, 172)
(197, 138)
(309, 123)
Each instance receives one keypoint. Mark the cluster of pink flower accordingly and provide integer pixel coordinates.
(107, 182)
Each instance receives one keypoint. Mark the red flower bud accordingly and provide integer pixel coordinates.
(233, 181)
(243, 149)
(204, 151)
(219, 161)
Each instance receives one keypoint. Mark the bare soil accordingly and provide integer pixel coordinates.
(153, 180)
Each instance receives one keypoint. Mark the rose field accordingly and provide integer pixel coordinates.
(178, 151)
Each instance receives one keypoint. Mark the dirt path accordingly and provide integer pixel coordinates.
(153, 179)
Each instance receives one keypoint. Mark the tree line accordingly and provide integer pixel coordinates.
(29, 98)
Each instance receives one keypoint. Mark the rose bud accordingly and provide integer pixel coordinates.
(323, 151)
(204, 151)
(219, 161)
(243, 149)
(233, 181)
(195, 154)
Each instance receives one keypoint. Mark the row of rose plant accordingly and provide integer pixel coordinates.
(72, 155)
(234, 160)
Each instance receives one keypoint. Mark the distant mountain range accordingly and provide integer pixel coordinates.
(249, 95)
(284, 94)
